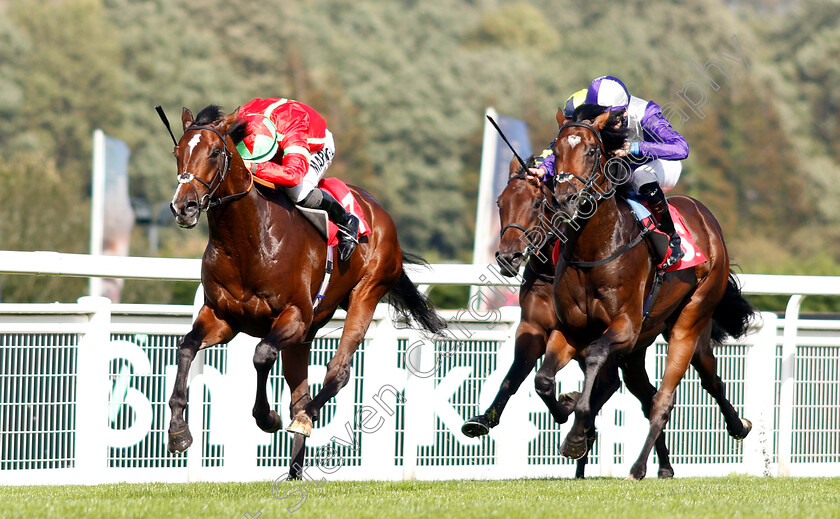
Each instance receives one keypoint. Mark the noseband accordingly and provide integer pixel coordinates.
(207, 201)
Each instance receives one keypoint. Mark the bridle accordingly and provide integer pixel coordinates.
(207, 201)
(589, 184)
(594, 173)
(547, 204)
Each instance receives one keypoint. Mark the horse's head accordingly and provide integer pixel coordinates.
(204, 154)
(520, 205)
(581, 152)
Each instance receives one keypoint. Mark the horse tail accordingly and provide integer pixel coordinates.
(733, 315)
(410, 303)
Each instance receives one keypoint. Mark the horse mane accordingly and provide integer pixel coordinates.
(613, 138)
(212, 113)
(237, 130)
(207, 115)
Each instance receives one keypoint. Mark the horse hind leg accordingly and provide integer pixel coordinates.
(705, 364)
(638, 383)
(359, 315)
(685, 337)
(295, 366)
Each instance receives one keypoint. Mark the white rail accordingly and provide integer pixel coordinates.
(67, 369)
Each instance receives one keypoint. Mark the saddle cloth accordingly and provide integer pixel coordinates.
(692, 255)
(339, 190)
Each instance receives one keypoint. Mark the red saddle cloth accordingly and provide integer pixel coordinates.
(692, 255)
(339, 190)
(691, 252)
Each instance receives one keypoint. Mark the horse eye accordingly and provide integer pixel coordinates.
(591, 152)
(215, 153)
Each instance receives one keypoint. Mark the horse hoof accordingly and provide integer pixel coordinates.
(632, 478)
(574, 450)
(179, 441)
(301, 425)
(272, 424)
(747, 428)
(475, 427)
(666, 473)
(569, 399)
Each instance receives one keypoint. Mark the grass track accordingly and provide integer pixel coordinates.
(729, 497)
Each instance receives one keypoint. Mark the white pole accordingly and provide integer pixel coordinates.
(97, 204)
(485, 188)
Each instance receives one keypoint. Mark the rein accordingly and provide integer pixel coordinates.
(207, 202)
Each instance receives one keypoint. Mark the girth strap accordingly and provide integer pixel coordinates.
(589, 264)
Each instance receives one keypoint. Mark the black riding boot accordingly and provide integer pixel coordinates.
(654, 198)
(348, 225)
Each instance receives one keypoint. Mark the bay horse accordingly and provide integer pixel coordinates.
(601, 282)
(261, 270)
(525, 212)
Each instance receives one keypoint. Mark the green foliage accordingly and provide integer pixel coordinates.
(516, 26)
(39, 213)
(403, 86)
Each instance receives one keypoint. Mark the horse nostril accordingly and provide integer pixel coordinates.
(190, 208)
(510, 261)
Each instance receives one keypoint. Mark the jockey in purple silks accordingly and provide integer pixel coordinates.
(653, 149)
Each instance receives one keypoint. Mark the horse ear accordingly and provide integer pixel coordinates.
(228, 120)
(186, 117)
(514, 167)
(601, 121)
(561, 118)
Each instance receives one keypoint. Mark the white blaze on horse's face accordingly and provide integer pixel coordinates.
(573, 140)
(195, 140)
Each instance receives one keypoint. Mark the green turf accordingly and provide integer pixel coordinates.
(729, 497)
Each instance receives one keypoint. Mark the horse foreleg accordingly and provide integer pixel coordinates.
(638, 383)
(681, 346)
(287, 330)
(295, 371)
(558, 353)
(530, 345)
(705, 364)
(207, 331)
(618, 335)
(605, 387)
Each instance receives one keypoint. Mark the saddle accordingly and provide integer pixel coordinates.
(318, 218)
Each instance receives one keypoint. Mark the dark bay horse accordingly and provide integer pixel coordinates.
(525, 212)
(601, 283)
(263, 265)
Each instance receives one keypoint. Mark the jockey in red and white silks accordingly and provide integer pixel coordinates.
(287, 142)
